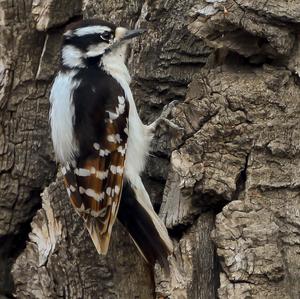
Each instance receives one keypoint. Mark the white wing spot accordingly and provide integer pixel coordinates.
(121, 100)
(96, 146)
(108, 191)
(103, 153)
(91, 193)
(102, 174)
(113, 115)
(114, 138)
(82, 172)
(121, 150)
(116, 169)
(117, 189)
(72, 188)
(119, 110)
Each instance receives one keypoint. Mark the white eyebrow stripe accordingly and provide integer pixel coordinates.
(90, 30)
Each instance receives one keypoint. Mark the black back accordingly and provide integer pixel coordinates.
(97, 93)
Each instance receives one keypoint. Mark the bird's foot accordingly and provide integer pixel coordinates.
(163, 121)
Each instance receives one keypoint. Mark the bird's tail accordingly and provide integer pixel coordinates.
(144, 226)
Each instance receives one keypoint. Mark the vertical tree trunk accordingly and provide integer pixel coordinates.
(226, 185)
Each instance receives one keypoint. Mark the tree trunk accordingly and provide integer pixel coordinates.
(226, 185)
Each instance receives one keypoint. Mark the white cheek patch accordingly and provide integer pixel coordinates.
(72, 57)
(91, 30)
(98, 49)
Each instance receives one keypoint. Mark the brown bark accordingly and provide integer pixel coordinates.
(227, 184)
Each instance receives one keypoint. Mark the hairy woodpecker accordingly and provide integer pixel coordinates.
(100, 140)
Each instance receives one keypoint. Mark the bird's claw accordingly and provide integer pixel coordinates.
(168, 108)
(160, 124)
(172, 125)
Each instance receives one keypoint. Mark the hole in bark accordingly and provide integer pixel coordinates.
(241, 181)
(177, 231)
(217, 270)
(234, 59)
(13, 245)
(207, 201)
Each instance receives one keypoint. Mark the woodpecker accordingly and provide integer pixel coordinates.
(100, 140)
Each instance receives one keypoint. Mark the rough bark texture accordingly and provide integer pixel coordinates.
(227, 184)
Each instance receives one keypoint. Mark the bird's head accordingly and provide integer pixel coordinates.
(87, 42)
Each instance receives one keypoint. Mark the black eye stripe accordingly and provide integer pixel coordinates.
(84, 41)
(106, 35)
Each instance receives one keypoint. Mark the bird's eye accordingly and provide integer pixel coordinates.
(106, 35)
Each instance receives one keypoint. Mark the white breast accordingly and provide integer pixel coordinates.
(139, 136)
(62, 116)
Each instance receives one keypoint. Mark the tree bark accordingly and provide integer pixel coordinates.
(226, 185)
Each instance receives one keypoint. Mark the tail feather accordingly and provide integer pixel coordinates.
(145, 227)
(100, 239)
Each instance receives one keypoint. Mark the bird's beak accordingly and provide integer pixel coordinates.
(122, 34)
(133, 33)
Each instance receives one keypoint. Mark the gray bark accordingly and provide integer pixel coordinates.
(226, 185)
